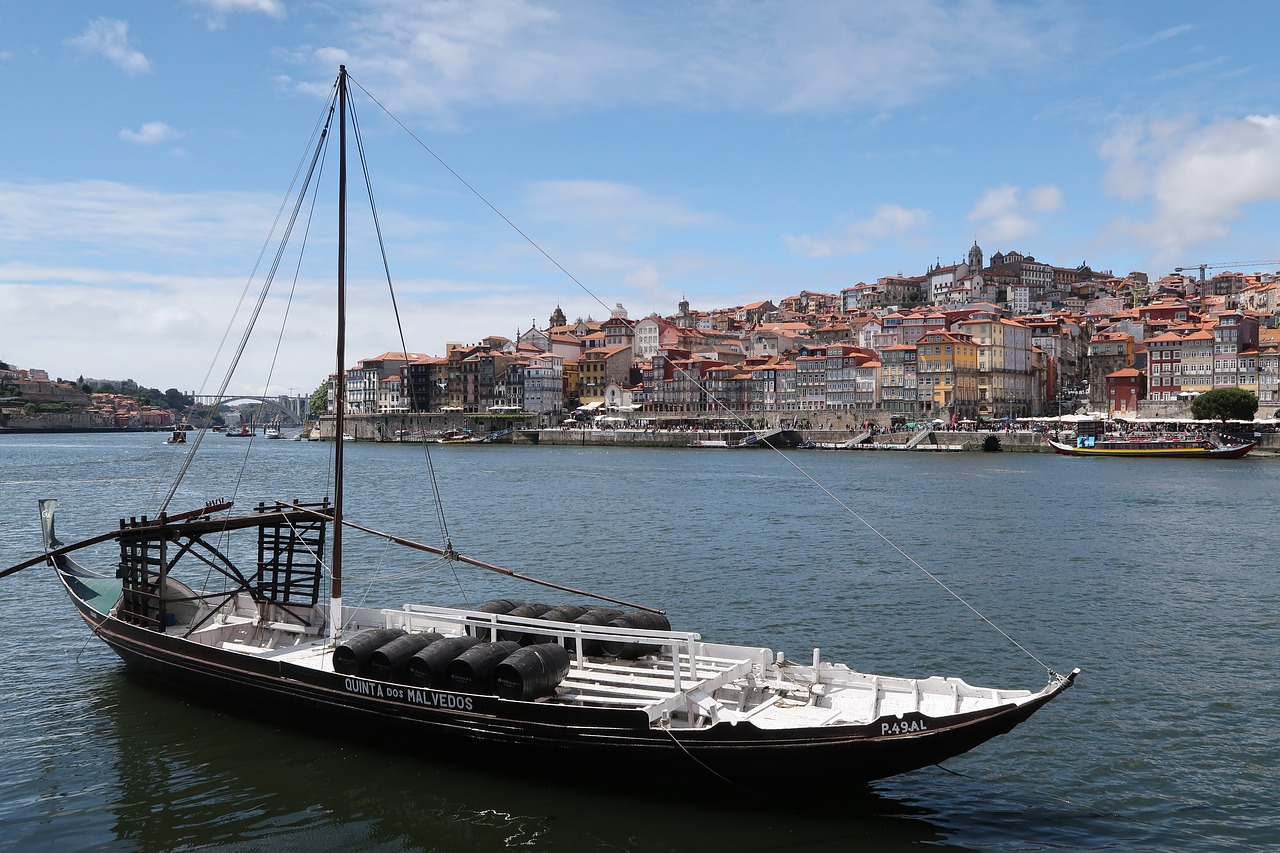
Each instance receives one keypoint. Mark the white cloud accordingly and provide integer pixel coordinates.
(150, 133)
(110, 38)
(627, 211)
(114, 218)
(272, 8)
(154, 272)
(1198, 179)
(114, 324)
(808, 56)
(1006, 213)
(1163, 35)
(1045, 199)
(220, 9)
(889, 221)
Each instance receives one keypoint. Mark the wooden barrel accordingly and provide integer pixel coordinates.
(429, 666)
(472, 671)
(531, 671)
(391, 662)
(352, 656)
(620, 647)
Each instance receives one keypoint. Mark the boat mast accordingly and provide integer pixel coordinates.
(340, 384)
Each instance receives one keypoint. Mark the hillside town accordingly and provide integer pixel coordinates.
(963, 343)
(967, 342)
(30, 399)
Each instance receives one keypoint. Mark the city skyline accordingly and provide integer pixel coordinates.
(721, 153)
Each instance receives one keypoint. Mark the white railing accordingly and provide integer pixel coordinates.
(671, 644)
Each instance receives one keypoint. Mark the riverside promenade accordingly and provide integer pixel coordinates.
(934, 441)
(404, 429)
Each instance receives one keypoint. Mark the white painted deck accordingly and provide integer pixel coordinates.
(687, 683)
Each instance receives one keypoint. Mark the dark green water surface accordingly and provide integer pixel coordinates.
(1158, 577)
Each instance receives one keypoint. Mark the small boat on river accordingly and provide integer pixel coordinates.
(245, 609)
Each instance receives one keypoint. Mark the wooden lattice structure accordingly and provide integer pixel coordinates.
(290, 551)
(142, 571)
(288, 573)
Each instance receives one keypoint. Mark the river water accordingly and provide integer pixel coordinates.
(1157, 577)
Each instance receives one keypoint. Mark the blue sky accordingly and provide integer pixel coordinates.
(721, 151)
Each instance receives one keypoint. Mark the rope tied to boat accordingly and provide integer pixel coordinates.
(664, 724)
(712, 397)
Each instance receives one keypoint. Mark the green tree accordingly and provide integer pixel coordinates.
(1225, 404)
(320, 399)
(176, 400)
(148, 397)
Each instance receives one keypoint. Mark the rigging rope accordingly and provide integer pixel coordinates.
(316, 147)
(319, 148)
(482, 198)
(404, 349)
(736, 416)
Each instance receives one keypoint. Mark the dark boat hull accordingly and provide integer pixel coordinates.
(1158, 450)
(486, 728)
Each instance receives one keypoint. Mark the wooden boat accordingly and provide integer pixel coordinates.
(1093, 440)
(601, 685)
(774, 438)
(1171, 446)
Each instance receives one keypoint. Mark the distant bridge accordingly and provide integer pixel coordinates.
(293, 410)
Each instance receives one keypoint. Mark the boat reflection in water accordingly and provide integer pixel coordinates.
(172, 791)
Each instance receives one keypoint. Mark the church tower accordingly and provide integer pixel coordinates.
(683, 317)
(975, 258)
(558, 318)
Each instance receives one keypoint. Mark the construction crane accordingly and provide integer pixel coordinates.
(1203, 267)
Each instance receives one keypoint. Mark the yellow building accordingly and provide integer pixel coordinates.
(1005, 373)
(947, 374)
(600, 366)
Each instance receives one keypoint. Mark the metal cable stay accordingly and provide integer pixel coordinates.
(447, 552)
(736, 416)
(307, 186)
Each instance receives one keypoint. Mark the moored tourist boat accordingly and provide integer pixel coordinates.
(596, 683)
(1091, 439)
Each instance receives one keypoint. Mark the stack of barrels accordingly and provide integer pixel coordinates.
(511, 661)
